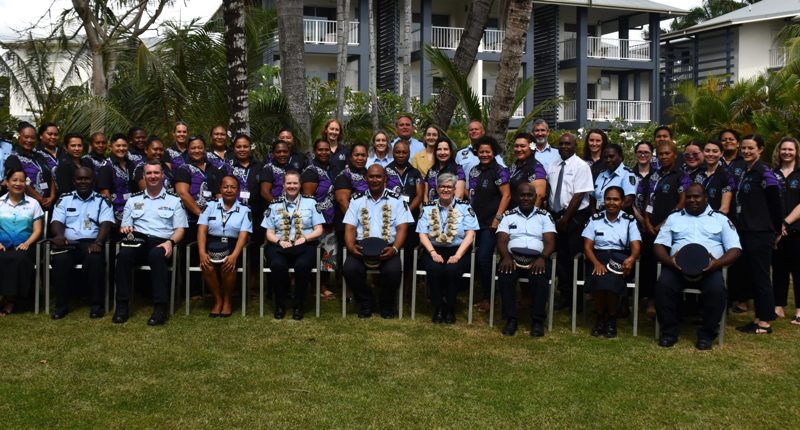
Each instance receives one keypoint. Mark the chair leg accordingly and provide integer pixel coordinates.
(46, 268)
(551, 303)
(491, 293)
(414, 285)
(402, 285)
(261, 283)
(244, 282)
(636, 301)
(172, 290)
(319, 281)
(574, 290)
(187, 275)
(344, 297)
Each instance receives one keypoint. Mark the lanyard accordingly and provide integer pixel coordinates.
(225, 216)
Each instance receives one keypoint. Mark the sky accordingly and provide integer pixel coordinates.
(18, 14)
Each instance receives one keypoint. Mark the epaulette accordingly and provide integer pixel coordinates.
(542, 211)
(627, 216)
(138, 193)
(712, 212)
(357, 196)
(628, 169)
(598, 215)
(308, 197)
(465, 202)
(510, 211)
(278, 200)
(430, 203)
(173, 193)
(392, 194)
(675, 211)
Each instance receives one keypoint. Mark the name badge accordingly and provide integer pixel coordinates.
(649, 209)
(223, 239)
(44, 185)
(126, 196)
(244, 194)
(405, 198)
(206, 193)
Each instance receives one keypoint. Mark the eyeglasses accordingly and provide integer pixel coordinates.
(691, 154)
(446, 187)
(643, 153)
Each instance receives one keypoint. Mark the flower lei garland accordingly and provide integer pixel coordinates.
(288, 220)
(450, 230)
(386, 214)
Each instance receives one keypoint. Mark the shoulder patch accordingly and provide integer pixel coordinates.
(730, 223)
(470, 210)
(267, 212)
(632, 179)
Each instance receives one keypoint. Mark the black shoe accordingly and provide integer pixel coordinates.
(120, 313)
(611, 329)
(599, 327)
(280, 312)
(297, 314)
(667, 341)
(704, 344)
(450, 317)
(59, 313)
(511, 327)
(159, 316)
(96, 312)
(388, 313)
(438, 316)
(748, 328)
(537, 329)
(365, 312)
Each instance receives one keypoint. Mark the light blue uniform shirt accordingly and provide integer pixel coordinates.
(464, 220)
(527, 231)
(612, 235)
(622, 177)
(82, 218)
(304, 207)
(230, 223)
(383, 162)
(16, 222)
(546, 156)
(157, 216)
(467, 160)
(711, 229)
(398, 214)
(414, 146)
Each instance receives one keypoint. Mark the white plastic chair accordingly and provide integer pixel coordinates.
(146, 268)
(263, 270)
(241, 269)
(550, 294)
(580, 259)
(48, 267)
(374, 272)
(416, 271)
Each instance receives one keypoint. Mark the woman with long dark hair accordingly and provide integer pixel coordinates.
(445, 163)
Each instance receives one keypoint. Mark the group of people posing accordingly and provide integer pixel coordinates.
(371, 201)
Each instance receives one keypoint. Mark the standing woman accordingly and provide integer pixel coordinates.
(65, 170)
(48, 145)
(610, 235)
(293, 226)
(593, 146)
(644, 165)
(423, 160)
(196, 183)
(20, 227)
(246, 169)
(381, 151)
(122, 179)
(490, 195)
(137, 140)
(40, 184)
(759, 220)
(403, 179)
(664, 191)
(527, 169)
(272, 172)
(219, 153)
(297, 159)
(693, 158)
(332, 132)
(176, 154)
(732, 157)
(352, 180)
(716, 179)
(786, 159)
(616, 174)
(154, 150)
(445, 163)
(225, 225)
(97, 161)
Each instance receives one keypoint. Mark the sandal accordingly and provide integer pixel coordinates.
(327, 295)
(763, 330)
(795, 320)
(748, 328)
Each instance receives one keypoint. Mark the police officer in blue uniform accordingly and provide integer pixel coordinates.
(82, 222)
(616, 174)
(293, 226)
(159, 219)
(534, 229)
(379, 213)
(696, 224)
(446, 232)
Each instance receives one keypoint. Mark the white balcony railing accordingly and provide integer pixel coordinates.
(777, 58)
(323, 32)
(519, 113)
(492, 41)
(449, 37)
(607, 110)
(445, 37)
(608, 48)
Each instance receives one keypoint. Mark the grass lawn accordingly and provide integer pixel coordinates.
(196, 372)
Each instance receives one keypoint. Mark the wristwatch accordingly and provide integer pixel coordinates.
(396, 251)
(171, 241)
(498, 217)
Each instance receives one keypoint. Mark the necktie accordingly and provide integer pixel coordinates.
(557, 197)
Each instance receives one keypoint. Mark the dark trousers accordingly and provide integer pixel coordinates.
(538, 285)
(668, 296)
(750, 274)
(444, 280)
(647, 266)
(785, 263)
(568, 245)
(147, 254)
(302, 262)
(93, 268)
(355, 273)
(487, 240)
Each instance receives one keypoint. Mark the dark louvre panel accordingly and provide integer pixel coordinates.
(387, 31)
(545, 54)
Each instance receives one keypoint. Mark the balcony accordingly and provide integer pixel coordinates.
(323, 32)
(448, 37)
(777, 58)
(519, 113)
(607, 48)
(607, 111)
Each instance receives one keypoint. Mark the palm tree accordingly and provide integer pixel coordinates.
(708, 10)
(293, 80)
(373, 67)
(342, 30)
(406, 55)
(233, 13)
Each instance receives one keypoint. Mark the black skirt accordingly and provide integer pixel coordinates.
(611, 281)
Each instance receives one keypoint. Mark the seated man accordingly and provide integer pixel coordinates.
(379, 215)
(154, 221)
(82, 221)
(697, 224)
(530, 235)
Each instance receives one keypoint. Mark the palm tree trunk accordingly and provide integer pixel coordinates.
(407, 56)
(373, 67)
(293, 79)
(519, 17)
(343, 29)
(464, 57)
(233, 14)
